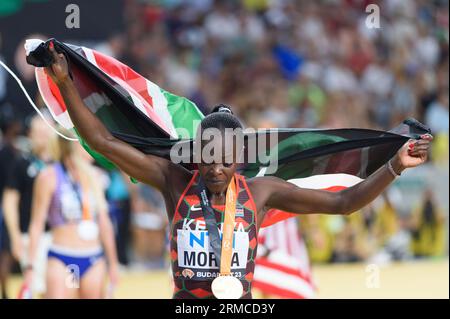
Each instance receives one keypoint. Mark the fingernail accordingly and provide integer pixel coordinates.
(411, 146)
(51, 45)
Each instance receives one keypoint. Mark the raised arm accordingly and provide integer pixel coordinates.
(146, 168)
(288, 197)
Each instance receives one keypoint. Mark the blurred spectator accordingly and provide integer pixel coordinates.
(18, 196)
(15, 101)
(437, 118)
(221, 23)
(427, 225)
(113, 47)
(149, 222)
(351, 241)
(337, 77)
(8, 155)
(386, 222)
(309, 99)
(390, 229)
(118, 199)
(437, 115)
(3, 76)
(319, 236)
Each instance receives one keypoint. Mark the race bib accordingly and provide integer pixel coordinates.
(197, 261)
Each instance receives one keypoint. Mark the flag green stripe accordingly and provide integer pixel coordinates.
(101, 160)
(184, 113)
(292, 145)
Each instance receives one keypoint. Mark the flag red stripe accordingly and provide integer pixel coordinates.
(116, 68)
(263, 261)
(57, 94)
(133, 82)
(274, 216)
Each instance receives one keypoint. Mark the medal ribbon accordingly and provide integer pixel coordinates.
(85, 199)
(228, 229)
(81, 193)
(222, 250)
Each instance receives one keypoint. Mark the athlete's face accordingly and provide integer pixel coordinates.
(218, 170)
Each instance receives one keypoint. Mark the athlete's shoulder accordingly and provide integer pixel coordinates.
(46, 178)
(264, 181)
(178, 178)
(266, 185)
(48, 172)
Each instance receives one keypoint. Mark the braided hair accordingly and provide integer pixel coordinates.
(221, 117)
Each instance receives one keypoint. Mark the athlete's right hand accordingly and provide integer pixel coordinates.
(59, 70)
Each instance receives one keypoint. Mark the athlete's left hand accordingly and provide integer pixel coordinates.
(114, 274)
(414, 152)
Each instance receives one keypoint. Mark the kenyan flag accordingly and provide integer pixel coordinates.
(330, 159)
(149, 118)
(124, 101)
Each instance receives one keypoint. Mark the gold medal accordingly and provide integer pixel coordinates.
(227, 287)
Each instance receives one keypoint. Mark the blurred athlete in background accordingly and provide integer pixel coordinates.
(17, 199)
(68, 194)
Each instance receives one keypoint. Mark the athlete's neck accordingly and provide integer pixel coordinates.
(217, 198)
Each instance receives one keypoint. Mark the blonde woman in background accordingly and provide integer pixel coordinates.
(69, 196)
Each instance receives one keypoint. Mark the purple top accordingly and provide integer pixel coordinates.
(65, 205)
